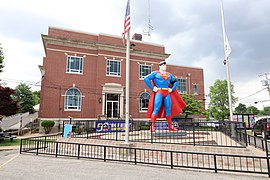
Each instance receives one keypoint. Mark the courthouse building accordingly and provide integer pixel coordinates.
(84, 75)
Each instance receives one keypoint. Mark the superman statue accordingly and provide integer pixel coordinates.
(165, 101)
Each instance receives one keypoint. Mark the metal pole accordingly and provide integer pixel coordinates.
(226, 60)
(127, 86)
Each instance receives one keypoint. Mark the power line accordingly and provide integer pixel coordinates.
(252, 94)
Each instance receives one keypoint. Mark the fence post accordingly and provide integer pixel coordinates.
(56, 149)
(193, 129)
(246, 137)
(21, 146)
(45, 142)
(171, 159)
(104, 153)
(135, 156)
(79, 149)
(37, 147)
(215, 162)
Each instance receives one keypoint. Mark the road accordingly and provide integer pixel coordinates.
(31, 167)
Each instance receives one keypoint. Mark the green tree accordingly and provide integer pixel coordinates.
(265, 111)
(252, 110)
(219, 101)
(1, 59)
(193, 106)
(25, 97)
(36, 95)
(241, 109)
(8, 106)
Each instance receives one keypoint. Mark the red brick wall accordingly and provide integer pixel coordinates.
(56, 81)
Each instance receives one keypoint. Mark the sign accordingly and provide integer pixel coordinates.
(67, 130)
(164, 125)
(112, 126)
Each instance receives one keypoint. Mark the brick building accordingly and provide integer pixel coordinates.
(83, 75)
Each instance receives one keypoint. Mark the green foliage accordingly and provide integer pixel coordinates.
(25, 97)
(36, 95)
(1, 59)
(8, 106)
(193, 106)
(252, 110)
(265, 111)
(241, 109)
(47, 125)
(219, 101)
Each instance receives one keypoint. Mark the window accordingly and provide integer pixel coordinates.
(182, 86)
(195, 89)
(144, 70)
(73, 99)
(113, 68)
(74, 64)
(144, 100)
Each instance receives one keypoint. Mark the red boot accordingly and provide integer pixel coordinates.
(170, 126)
(153, 120)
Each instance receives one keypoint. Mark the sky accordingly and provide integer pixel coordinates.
(190, 30)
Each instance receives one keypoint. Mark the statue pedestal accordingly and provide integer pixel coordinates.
(169, 133)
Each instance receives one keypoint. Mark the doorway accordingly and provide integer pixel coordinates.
(112, 109)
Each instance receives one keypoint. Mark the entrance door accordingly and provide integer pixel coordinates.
(112, 105)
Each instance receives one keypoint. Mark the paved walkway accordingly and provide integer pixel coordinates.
(28, 167)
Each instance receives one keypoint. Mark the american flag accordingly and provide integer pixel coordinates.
(126, 21)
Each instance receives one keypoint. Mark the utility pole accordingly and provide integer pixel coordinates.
(266, 82)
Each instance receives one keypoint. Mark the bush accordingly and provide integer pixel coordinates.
(47, 125)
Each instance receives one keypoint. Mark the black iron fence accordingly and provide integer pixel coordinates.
(225, 134)
(47, 145)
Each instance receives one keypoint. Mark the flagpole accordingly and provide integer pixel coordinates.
(127, 86)
(226, 62)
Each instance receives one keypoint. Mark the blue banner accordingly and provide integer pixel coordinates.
(67, 130)
(112, 126)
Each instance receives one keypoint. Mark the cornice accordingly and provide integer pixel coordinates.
(99, 46)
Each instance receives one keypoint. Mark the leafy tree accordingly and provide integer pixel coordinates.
(252, 110)
(241, 109)
(36, 95)
(1, 59)
(219, 101)
(8, 106)
(25, 97)
(265, 111)
(193, 106)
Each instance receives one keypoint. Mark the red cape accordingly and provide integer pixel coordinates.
(177, 105)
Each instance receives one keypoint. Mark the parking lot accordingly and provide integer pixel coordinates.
(23, 166)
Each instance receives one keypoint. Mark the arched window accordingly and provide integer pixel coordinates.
(73, 99)
(144, 100)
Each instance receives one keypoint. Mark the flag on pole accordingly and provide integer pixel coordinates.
(228, 49)
(126, 22)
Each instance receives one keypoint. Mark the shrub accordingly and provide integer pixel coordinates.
(47, 125)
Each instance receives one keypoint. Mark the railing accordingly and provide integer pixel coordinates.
(172, 159)
(226, 134)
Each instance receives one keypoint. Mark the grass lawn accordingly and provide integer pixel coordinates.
(6, 142)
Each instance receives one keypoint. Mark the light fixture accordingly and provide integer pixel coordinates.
(100, 100)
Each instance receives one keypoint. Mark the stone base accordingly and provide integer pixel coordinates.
(170, 133)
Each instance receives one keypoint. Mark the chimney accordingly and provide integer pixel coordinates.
(137, 37)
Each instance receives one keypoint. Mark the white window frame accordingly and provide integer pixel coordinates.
(143, 109)
(74, 71)
(142, 73)
(73, 107)
(195, 89)
(182, 85)
(108, 72)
